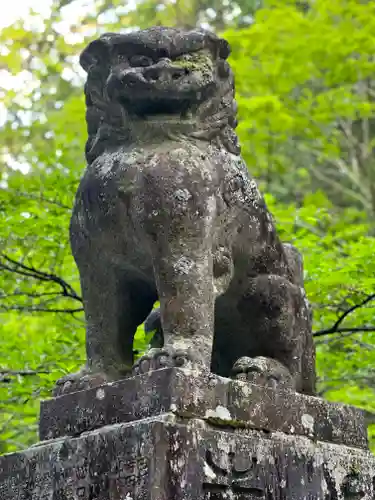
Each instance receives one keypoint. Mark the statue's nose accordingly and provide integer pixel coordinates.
(164, 73)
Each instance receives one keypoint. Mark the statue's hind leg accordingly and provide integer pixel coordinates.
(276, 314)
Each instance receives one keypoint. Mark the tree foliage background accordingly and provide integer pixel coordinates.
(305, 78)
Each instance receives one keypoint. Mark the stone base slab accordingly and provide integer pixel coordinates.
(188, 394)
(165, 458)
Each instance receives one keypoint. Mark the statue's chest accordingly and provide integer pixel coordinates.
(125, 171)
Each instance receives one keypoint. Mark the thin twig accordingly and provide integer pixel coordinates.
(335, 328)
(23, 373)
(30, 272)
(42, 199)
(353, 330)
(40, 309)
(26, 294)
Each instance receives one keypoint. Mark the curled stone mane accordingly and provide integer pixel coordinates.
(210, 114)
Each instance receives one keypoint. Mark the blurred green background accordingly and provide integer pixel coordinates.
(305, 80)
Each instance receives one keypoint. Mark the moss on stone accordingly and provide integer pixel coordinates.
(197, 61)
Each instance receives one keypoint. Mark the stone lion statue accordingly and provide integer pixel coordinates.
(166, 210)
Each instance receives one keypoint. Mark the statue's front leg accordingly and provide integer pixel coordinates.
(112, 311)
(186, 295)
(178, 223)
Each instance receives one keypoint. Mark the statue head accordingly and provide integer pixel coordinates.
(158, 75)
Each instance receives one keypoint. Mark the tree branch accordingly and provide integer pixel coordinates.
(41, 309)
(335, 328)
(5, 375)
(23, 373)
(42, 199)
(17, 267)
(26, 294)
(353, 330)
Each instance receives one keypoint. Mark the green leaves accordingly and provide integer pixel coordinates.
(340, 284)
(306, 99)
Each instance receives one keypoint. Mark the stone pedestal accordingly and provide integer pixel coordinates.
(179, 435)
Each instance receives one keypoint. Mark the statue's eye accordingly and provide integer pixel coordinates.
(120, 59)
(140, 61)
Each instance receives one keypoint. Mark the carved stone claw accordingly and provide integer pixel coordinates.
(263, 371)
(166, 357)
(79, 381)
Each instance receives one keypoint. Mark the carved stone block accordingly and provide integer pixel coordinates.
(189, 394)
(166, 458)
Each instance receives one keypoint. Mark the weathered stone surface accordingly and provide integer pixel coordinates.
(216, 399)
(164, 459)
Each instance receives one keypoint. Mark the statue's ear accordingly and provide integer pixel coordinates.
(96, 52)
(224, 49)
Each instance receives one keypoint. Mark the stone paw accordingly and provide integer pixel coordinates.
(79, 381)
(166, 357)
(263, 371)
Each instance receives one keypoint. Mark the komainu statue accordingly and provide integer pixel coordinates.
(166, 210)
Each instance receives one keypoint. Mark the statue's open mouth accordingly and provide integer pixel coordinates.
(156, 106)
